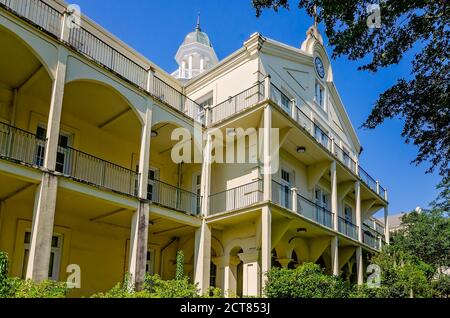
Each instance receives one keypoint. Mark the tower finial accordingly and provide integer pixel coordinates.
(315, 16)
(198, 22)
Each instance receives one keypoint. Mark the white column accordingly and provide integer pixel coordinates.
(150, 80)
(138, 244)
(267, 143)
(334, 201)
(359, 266)
(190, 65)
(358, 209)
(140, 219)
(202, 63)
(45, 199)
(250, 274)
(54, 116)
(220, 267)
(294, 199)
(206, 175)
(183, 69)
(266, 243)
(386, 225)
(42, 228)
(267, 87)
(202, 257)
(230, 276)
(335, 255)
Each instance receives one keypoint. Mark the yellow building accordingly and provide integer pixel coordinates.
(87, 175)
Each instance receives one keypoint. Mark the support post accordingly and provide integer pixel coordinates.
(359, 266)
(358, 209)
(202, 257)
(334, 201)
(266, 242)
(335, 255)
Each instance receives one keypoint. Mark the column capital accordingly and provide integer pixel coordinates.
(249, 257)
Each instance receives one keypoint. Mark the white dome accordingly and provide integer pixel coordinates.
(197, 36)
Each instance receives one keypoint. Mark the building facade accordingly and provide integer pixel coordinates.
(87, 176)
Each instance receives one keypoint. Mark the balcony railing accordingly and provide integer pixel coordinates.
(371, 237)
(176, 99)
(49, 19)
(38, 12)
(93, 170)
(173, 197)
(21, 146)
(236, 198)
(89, 44)
(288, 105)
(347, 228)
(344, 157)
(236, 104)
(282, 195)
(367, 179)
(313, 211)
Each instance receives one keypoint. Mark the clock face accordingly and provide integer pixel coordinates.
(319, 67)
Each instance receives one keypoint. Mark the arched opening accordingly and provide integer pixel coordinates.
(25, 91)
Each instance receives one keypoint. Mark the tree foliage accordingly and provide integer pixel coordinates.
(306, 281)
(422, 99)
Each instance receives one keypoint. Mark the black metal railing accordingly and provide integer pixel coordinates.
(382, 192)
(282, 195)
(92, 46)
(21, 146)
(344, 157)
(237, 103)
(96, 171)
(173, 197)
(370, 237)
(347, 228)
(38, 12)
(236, 198)
(314, 211)
(367, 179)
(171, 96)
(285, 102)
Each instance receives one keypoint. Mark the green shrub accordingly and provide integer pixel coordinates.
(179, 275)
(177, 288)
(46, 289)
(306, 281)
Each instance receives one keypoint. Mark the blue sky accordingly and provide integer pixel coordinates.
(156, 28)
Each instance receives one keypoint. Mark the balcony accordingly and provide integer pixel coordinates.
(48, 19)
(371, 237)
(347, 228)
(21, 146)
(236, 198)
(172, 197)
(282, 195)
(236, 104)
(89, 169)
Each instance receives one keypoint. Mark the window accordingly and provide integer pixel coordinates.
(152, 193)
(348, 213)
(285, 188)
(62, 164)
(321, 136)
(346, 157)
(204, 102)
(285, 103)
(55, 256)
(196, 187)
(319, 95)
(322, 198)
(213, 275)
(150, 263)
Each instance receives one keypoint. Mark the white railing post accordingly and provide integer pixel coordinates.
(267, 87)
(378, 187)
(294, 109)
(332, 145)
(150, 80)
(294, 199)
(208, 115)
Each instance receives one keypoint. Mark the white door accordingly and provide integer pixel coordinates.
(285, 195)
